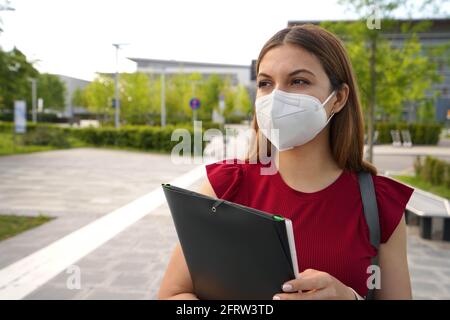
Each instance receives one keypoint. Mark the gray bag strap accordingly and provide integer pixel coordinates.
(369, 201)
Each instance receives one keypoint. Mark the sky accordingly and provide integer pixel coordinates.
(75, 37)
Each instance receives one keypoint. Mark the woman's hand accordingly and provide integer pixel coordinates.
(318, 286)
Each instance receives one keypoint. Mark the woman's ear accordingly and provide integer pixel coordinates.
(341, 98)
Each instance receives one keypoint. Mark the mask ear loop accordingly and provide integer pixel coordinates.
(332, 114)
(325, 102)
(328, 99)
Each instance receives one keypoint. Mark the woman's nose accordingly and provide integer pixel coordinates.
(281, 87)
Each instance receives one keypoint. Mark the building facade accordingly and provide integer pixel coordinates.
(239, 74)
(72, 84)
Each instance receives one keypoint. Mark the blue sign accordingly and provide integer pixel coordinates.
(194, 103)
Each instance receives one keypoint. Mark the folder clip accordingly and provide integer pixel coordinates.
(216, 204)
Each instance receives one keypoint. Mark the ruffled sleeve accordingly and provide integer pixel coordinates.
(225, 178)
(392, 197)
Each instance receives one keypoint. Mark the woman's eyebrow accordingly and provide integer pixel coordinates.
(300, 71)
(262, 74)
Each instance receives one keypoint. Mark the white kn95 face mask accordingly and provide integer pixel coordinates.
(290, 119)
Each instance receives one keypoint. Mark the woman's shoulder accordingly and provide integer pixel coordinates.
(392, 198)
(226, 176)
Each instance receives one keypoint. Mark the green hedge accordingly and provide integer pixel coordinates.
(41, 117)
(47, 136)
(435, 171)
(9, 126)
(425, 134)
(137, 137)
(145, 138)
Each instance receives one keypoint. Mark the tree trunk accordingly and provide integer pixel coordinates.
(372, 101)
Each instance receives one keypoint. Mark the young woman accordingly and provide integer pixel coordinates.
(307, 91)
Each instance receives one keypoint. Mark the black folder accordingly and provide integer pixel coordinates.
(232, 251)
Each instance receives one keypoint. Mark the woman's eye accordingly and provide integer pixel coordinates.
(262, 84)
(300, 81)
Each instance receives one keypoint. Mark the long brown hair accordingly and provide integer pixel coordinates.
(347, 126)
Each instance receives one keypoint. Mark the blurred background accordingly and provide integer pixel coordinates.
(91, 92)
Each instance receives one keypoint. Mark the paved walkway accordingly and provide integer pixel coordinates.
(130, 266)
(82, 182)
(437, 151)
(79, 186)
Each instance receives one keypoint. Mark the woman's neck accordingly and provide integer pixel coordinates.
(310, 167)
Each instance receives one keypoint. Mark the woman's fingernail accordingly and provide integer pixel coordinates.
(287, 287)
(276, 298)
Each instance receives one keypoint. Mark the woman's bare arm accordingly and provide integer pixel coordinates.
(395, 280)
(177, 282)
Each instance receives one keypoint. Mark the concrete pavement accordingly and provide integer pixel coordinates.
(79, 186)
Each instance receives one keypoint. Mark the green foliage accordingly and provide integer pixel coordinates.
(418, 182)
(10, 144)
(41, 117)
(149, 138)
(417, 166)
(426, 133)
(138, 137)
(8, 127)
(209, 94)
(15, 72)
(78, 98)
(52, 90)
(403, 74)
(134, 98)
(238, 104)
(426, 111)
(140, 96)
(98, 96)
(10, 225)
(47, 136)
(433, 170)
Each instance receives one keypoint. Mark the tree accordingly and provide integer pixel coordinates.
(180, 88)
(135, 98)
(237, 101)
(15, 74)
(210, 92)
(388, 76)
(78, 98)
(140, 96)
(243, 104)
(52, 90)
(98, 96)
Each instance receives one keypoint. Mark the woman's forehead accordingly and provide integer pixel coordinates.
(286, 58)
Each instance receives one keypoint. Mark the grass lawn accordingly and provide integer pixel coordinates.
(424, 185)
(8, 147)
(10, 225)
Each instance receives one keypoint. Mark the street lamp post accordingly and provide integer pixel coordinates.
(163, 97)
(116, 86)
(193, 87)
(33, 99)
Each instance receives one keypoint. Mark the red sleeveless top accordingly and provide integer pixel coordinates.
(331, 233)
